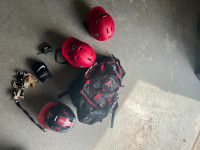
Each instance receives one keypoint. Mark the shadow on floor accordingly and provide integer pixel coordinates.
(8, 147)
(184, 29)
(187, 16)
(54, 38)
(81, 10)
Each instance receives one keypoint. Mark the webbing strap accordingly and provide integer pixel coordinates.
(112, 119)
(113, 115)
(18, 104)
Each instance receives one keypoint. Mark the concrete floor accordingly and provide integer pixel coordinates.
(159, 47)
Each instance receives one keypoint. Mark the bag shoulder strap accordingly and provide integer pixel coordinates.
(63, 94)
(113, 115)
(39, 126)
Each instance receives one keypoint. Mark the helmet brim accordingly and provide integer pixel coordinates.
(94, 11)
(66, 48)
(44, 111)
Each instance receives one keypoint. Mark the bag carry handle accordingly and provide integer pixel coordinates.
(39, 126)
(56, 57)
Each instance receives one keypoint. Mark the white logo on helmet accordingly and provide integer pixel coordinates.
(73, 47)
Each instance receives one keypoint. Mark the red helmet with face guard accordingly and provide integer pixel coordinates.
(56, 117)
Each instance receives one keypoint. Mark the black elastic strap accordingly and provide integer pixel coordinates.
(112, 119)
(18, 104)
(56, 57)
(63, 94)
(113, 115)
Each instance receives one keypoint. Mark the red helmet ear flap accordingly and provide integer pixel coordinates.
(101, 25)
(78, 52)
